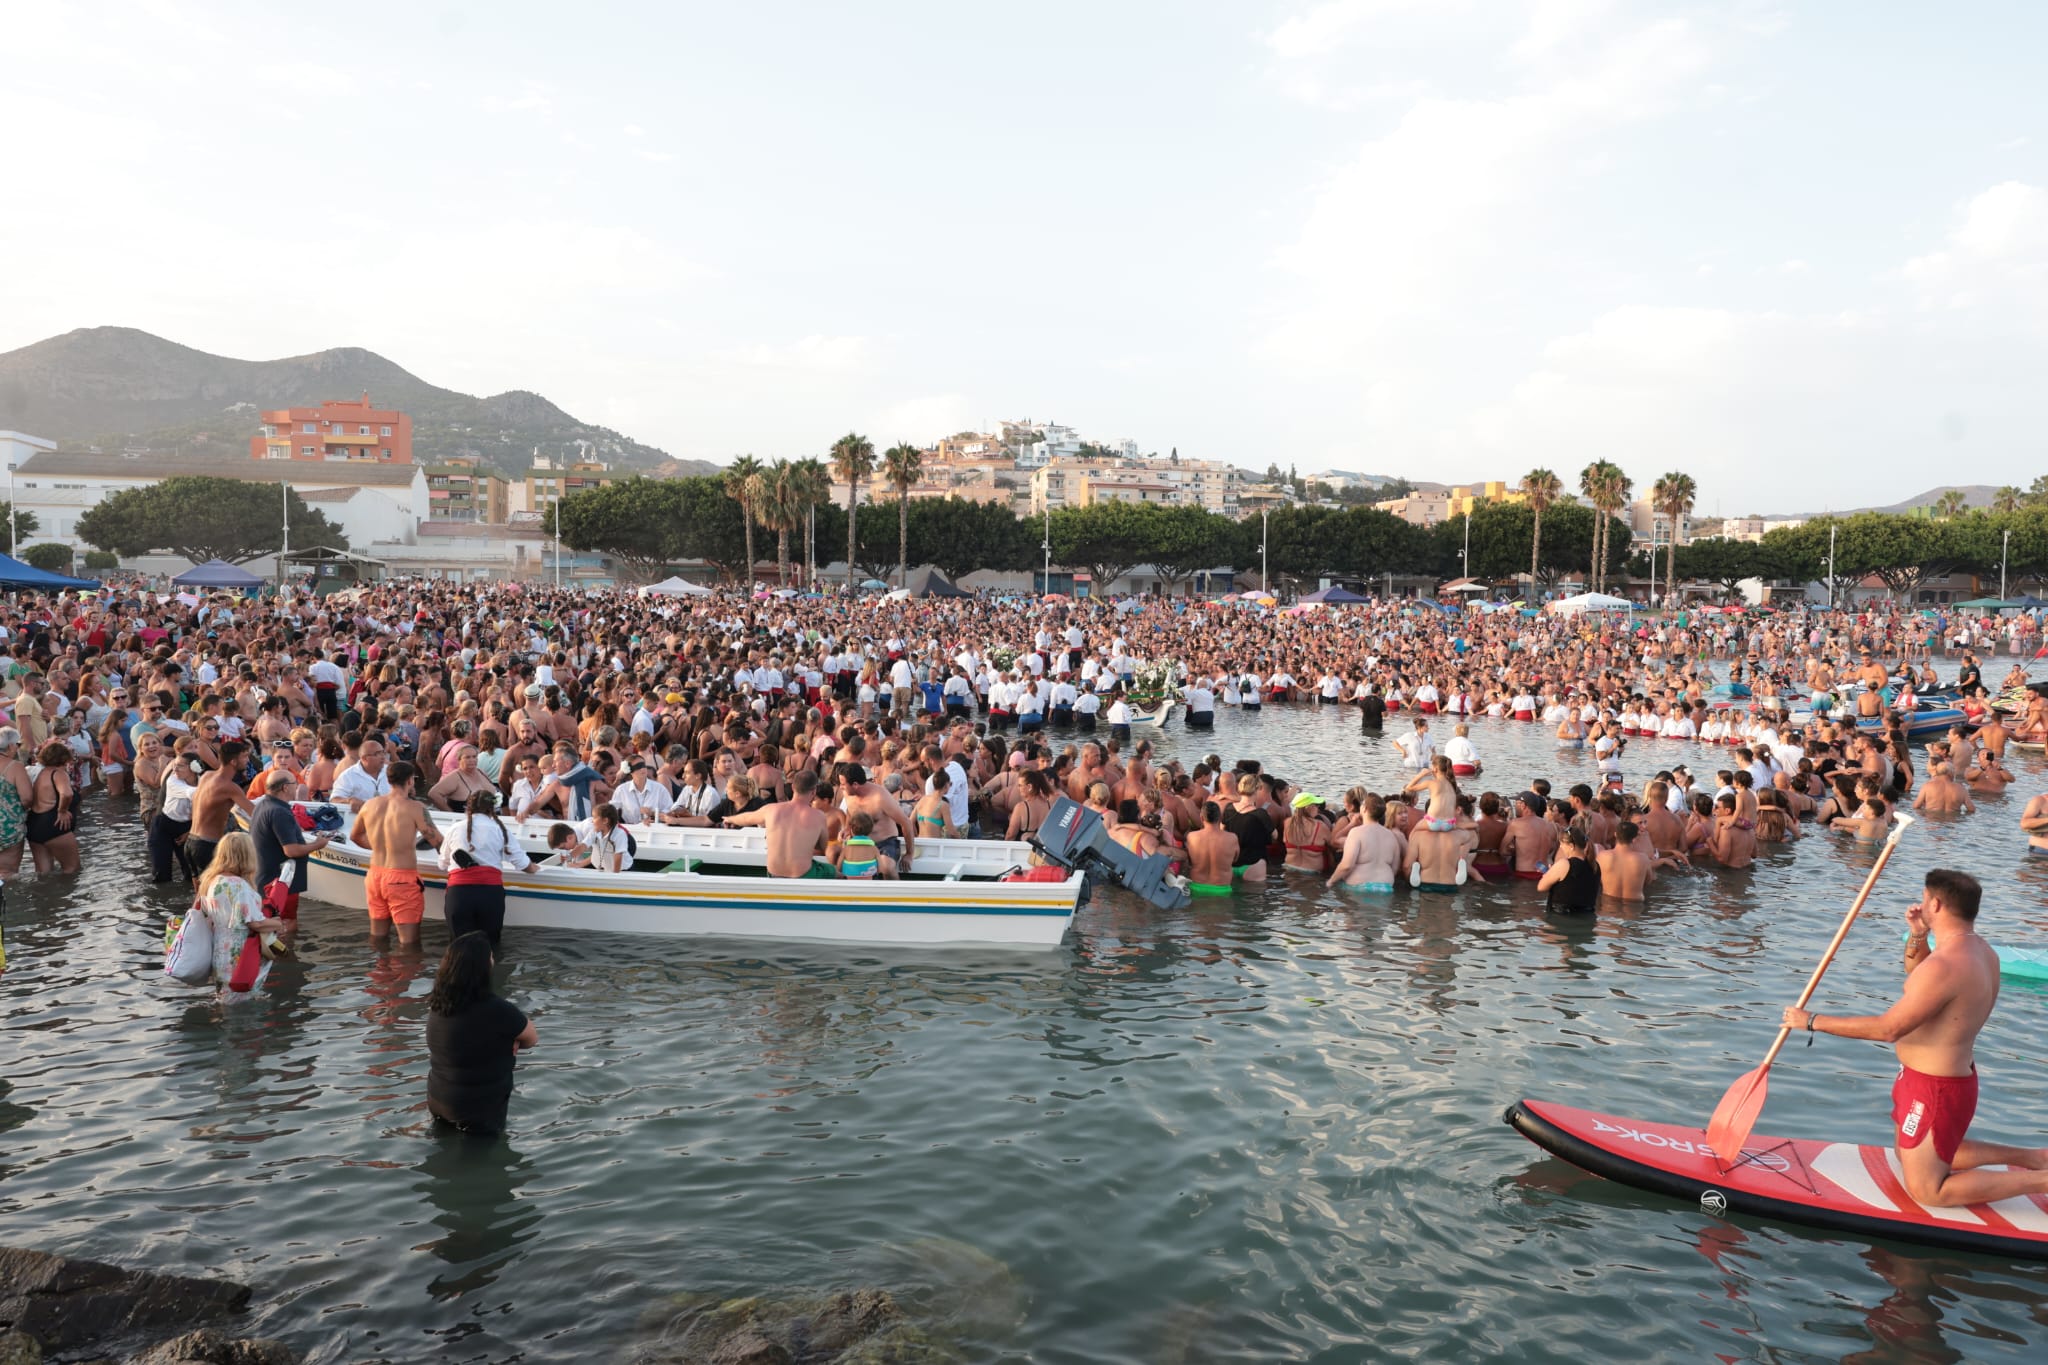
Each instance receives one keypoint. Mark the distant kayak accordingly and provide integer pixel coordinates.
(1840, 1186)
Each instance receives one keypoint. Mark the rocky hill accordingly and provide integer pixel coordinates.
(119, 388)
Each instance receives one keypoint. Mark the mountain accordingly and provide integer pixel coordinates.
(116, 387)
(1974, 495)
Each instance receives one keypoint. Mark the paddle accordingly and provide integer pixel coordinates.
(1735, 1117)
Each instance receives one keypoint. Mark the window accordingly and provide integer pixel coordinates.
(385, 452)
(383, 431)
(309, 451)
(363, 430)
(311, 427)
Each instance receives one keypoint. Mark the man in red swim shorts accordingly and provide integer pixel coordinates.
(1950, 989)
(390, 826)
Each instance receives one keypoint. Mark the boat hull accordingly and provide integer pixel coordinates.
(935, 913)
(1839, 1186)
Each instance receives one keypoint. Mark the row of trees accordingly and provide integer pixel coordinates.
(646, 524)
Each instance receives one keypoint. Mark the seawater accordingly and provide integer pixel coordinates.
(1261, 1129)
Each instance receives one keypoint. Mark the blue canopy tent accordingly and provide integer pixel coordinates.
(218, 573)
(15, 574)
(1334, 597)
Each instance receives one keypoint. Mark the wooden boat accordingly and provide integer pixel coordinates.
(695, 881)
(1151, 714)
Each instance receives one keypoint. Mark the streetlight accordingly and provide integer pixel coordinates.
(1831, 568)
(1045, 583)
(2003, 551)
(1265, 579)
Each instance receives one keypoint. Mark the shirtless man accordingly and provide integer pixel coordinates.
(1437, 861)
(219, 794)
(794, 829)
(1625, 869)
(1372, 852)
(1087, 772)
(1531, 840)
(390, 827)
(1599, 824)
(894, 833)
(2034, 823)
(1212, 852)
(1733, 841)
(1666, 831)
(1949, 994)
(1941, 794)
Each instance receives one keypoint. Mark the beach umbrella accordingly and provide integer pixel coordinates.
(875, 583)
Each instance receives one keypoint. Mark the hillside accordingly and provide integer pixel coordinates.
(116, 387)
(1974, 495)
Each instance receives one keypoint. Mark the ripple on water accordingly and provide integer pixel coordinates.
(1261, 1130)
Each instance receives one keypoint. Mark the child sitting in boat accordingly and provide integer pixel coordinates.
(857, 858)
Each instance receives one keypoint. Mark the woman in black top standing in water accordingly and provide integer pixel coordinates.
(1573, 881)
(473, 1037)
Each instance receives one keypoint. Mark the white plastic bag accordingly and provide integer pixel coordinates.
(188, 948)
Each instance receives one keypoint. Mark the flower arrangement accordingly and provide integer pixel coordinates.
(1156, 681)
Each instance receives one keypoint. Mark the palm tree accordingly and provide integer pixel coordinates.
(1673, 496)
(1608, 490)
(2006, 499)
(902, 466)
(1950, 503)
(813, 485)
(853, 459)
(742, 485)
(1541, 488)
(782, 511)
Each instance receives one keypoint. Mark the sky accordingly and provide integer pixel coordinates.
(1797, 250)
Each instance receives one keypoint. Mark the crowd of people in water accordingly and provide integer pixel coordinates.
(852, 729)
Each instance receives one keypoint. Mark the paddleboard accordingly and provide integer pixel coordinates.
(2031, 963)
(1839, 1186)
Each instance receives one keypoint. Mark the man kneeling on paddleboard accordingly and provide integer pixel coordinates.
(1950, 989)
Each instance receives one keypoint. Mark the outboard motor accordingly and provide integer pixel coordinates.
(1074, 836)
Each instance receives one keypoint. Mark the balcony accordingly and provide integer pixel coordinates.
(344, 438)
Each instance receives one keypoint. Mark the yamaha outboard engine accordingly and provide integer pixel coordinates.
(1074, 836)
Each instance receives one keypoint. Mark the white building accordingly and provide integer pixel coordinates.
(16, 446)
(369, 503)
(1651, 527)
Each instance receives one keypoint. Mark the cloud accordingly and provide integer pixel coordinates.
(812, 354)
(1998, 249)
(922, 419)
(634, 130)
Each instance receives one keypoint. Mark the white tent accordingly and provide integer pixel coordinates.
(675, 587)
(1591, 601)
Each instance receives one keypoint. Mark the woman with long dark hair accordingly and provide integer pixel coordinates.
(475, 854)
(474, 1036)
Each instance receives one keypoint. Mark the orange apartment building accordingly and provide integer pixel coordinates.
(336, 430)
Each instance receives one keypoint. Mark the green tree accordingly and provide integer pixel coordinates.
(710, 526)
(24, 523)
(1726, 562)
(48, 556)
(101, 561)
(1540, 488)
(902, 467)
(1370, 543)
(1105, 538)
(781, 510)
(853, 459)
(636, 522)
(2007, 499)
(813, 483)
(1950, 503)
(204, 518)
(742, 483)
(957, 536)
(1182, 541)
(1672, 498)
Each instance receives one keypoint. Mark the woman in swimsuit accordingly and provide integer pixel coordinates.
(1443, 794)
(1306, 836)
(933, 814)
(52, 837)
(1032, 808)
(14, 798)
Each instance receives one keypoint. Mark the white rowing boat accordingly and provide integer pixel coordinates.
(950, 898)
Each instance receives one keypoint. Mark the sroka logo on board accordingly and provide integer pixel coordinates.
(1768, 1160)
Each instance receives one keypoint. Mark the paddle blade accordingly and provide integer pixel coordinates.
(1735, 1116)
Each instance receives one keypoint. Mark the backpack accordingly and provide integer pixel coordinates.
(188, 947)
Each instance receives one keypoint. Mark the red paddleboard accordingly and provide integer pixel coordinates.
(1835, 1185)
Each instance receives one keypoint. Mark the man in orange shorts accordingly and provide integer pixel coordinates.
(1950, 989)
(390, 827)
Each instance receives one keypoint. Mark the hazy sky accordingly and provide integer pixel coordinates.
(1798, 250)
